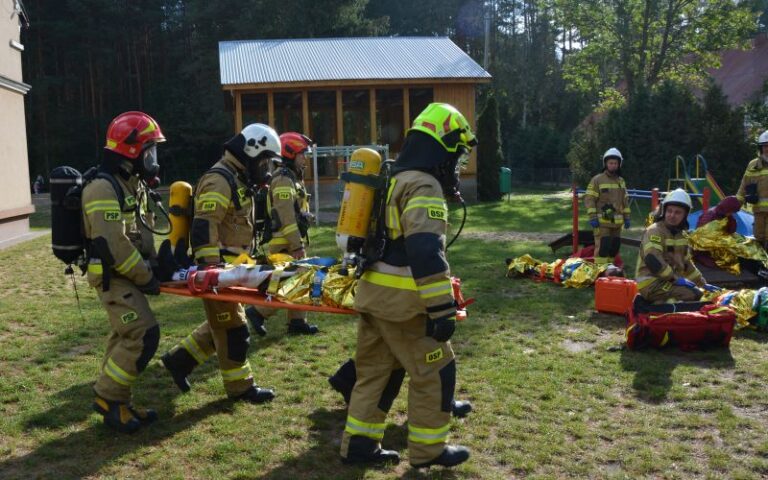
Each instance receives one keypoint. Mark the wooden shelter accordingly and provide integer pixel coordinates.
(347, 91)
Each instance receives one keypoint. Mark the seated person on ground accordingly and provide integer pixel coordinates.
(667, 273)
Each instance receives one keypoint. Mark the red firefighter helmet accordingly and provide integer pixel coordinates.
(131, 132)
(293, 144)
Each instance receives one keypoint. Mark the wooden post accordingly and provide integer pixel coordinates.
(339, 118)
(575, 230)
(238, 112)
(305, 113)
(654, 199)
(271, 108)
(372, 106)
(706, 194)
(406, 108)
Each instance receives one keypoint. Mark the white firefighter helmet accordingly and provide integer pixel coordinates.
(613, 152)
(677, 197)
(260, 138)
(762, 139)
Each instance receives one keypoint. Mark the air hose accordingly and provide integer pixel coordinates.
(158, 201)
(461, 227)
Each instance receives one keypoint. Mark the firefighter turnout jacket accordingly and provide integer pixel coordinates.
(665, 256)
(607, 201)
(399, 298)
(754, 190)
(222, 231)
(118, 248)
(288, 205)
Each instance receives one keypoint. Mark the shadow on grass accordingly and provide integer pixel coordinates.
(83, 453)
(653, 369)
(323, 460)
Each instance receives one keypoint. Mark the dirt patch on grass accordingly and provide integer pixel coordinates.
(513, 236)
(576, 347)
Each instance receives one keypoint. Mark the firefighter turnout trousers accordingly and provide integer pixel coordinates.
(384, 348)
(226, 334)
(132, 341)
(607, 244)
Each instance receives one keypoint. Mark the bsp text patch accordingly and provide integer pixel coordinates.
(222, 317)
(434, 356)
(129, 317)
(437, 213)
(284, 195)
(656, 238)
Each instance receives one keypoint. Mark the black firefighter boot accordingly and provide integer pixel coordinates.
(256, 395)
(256, 320)
(179, 364)
(299, 326)
(451, 456)
(367, 450)
(122, 416)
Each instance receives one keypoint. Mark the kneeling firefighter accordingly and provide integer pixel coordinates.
(607, 205)
(289, 218)
(666, 273)
(117, 248)
(222, 229)
(406, 302)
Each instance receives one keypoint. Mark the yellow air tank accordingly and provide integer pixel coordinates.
(179, 212)
(357, 201)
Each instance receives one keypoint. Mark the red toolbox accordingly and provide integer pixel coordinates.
(614, 294)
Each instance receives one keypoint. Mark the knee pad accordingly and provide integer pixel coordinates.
(653, 264)
(200, 232)
(391, 389)
(150, 342)
(605, 247)
(447, 386)
(615, 246)
(238, 340)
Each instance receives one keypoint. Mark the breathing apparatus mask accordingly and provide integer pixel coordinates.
(146, 165)
(258, 170)
(449, 171)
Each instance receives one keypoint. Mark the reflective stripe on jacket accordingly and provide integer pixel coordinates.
(755, 174)
(285, 198)
(672, 253)
(606, 199)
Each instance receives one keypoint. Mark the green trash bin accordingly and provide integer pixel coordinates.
(505, 180)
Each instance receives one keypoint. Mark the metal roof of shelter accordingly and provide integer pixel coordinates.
(324, 59)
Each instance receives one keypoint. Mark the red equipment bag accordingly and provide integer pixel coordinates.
(710, 327)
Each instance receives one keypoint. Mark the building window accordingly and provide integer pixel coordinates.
(288, 112)
(254, 108)
(389, 118)
(418, 99)
(356, 108)
(322, 127)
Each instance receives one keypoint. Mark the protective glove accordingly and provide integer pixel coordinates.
(754, 198)
(711, 288)
(684, 282)
(150, 288)
(443, 329)
(626, 224)
(595, 223)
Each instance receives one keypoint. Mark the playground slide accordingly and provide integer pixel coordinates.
(697, 185)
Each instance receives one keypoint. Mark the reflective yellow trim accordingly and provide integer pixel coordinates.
(676, 242)
(95, 268)
(388, 280)
(443, 287)
(664, 340)
(654, 245)
(666, 271)
(278, 241)
(235, 374)
(118, 374)
(190, 345)
(129, 263)
(645, 282)
(207, 252)
(751, 172)
(365, 429)
(425, 202)
(289, 229)
(284, 190)
(213, 197)
(602, 186)
(428, 436)
(101, 206)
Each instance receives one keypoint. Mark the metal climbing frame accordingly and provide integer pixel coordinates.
(343, 151)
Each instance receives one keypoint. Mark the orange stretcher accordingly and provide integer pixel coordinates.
(250, 297)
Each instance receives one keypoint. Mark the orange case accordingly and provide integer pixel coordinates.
(614, 294)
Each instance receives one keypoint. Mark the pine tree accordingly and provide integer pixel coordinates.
(489, 157)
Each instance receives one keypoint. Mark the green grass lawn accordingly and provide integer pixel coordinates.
(552, 399)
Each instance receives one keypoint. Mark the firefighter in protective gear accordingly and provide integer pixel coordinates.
(667, 273)
(119, 250)
(288, 208)
(607, 205)
(754, 189)
(222, 229)
(406, 302)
